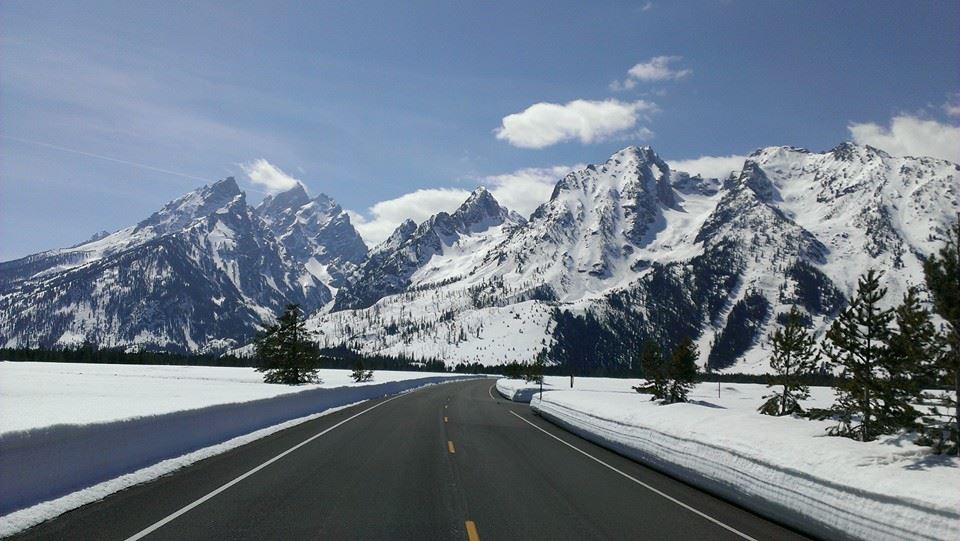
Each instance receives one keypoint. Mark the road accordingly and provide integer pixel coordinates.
(452, 461)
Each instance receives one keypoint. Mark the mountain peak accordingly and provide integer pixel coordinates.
(198, 203)
(279, 203)
(847, 151)
(643, 154)
(226, 185)
(479, 212)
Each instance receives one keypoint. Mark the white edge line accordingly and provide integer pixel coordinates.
(162, 522)
(490, 391)
(639, 482)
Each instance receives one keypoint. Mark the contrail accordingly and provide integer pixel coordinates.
(107, 158)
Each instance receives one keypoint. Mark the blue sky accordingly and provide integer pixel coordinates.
(395, 109)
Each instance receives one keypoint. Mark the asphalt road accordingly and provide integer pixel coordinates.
(452, 461)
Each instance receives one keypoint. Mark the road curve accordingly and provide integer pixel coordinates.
(452, 461)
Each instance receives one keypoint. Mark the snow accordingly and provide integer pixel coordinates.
(74, 433)
(785, 467)
(865, 208)
(34, 395)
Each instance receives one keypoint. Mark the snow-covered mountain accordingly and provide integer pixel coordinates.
(316, 233)
(622, 252)
(444, 237)
(627, 250)
(201, 274)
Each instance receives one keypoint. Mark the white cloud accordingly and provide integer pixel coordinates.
(709, 166)
(271, 177)
(382, 218)
(619, 86)
(656, 69)
(910, 136)
(952, 106)
(544, 124)
(647, 7)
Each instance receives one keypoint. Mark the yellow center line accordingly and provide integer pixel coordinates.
(450, 447)
(472, 534)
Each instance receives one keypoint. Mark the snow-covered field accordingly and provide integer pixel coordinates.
(784, 467)
(34, 395)
(72, 433)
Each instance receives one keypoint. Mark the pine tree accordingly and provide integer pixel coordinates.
(942, 273)
(857, 343)
(682, 371)
(360, 373)
(913, 348)
(794, 356)
(654, 370)
(533, 372)
(285, 352)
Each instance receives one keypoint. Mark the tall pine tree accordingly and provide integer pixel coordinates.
(794, 356)
(858, 343)
(913, 348)
(942, 273)
(285, 352)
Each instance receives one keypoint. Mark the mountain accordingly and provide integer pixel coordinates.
(392, 265)
(202, 274)
(316, 234)
(624, 251)
(629, 250)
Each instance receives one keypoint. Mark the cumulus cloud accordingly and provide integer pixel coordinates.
(544, 124)
(382, 218)
(709, 166)
(272, 178)
(656, 69)
(910, 136)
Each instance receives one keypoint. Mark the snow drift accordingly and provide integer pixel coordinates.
(829, 487)
(45, 463)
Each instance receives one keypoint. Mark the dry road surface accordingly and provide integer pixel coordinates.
(452, 461)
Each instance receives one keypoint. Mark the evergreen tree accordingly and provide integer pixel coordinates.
(534, 370)
(285, 353)
(654, 370)
(794, 356)
(913, 348)
(359, 373)
(942, 273)
(858, 343)
(682, 371)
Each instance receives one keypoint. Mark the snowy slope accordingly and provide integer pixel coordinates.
(201, 274)
(316, 234)
(629, 250)
(624, 251)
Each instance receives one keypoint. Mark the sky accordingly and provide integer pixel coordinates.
(399, 109)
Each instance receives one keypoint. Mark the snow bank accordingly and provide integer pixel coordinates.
(783, 468)
(47, 462)
(34, 395)
(519, 390)
(31, 516)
